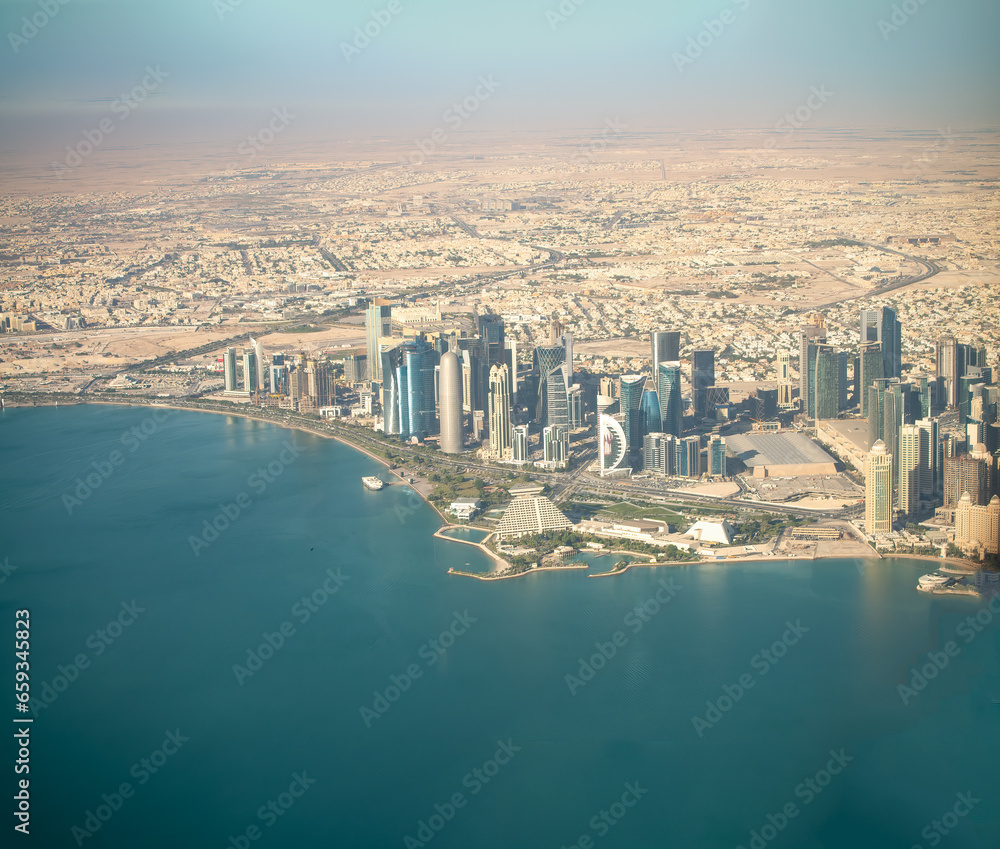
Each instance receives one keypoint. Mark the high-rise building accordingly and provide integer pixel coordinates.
(501, 436)
(967, 473)
(279, 375)
(785, 382)
(450, 394)
(258, 351)
(609, 387)
(249, 371)
(716, 456)
(702, 377)
(870, 361)
(825, 384)
(813, 332)
(612, 444)
(668, 391)
(378, 326)
(649, 412)
(929, 469)
(878, 490)
(658, 453)
(356, 368)
(978, 526)
(557, 407)
(519, 445)
(687, 457)
(631, 400)
(555, 445)
(910, 462)
(545, 360)
(883, 326)
(229, 369)
(510, 358)
(666, 346)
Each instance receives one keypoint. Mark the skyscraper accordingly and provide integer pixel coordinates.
(910, 461)
(612, 444)
(501, 445)
(519, 447)
(687, 461)
(929, 470)
(555, 445)
(249, 371)
(258, 350)
(229, 368)
(450, 393)
(717, 456)
(378, 326)
(825, 384)
(631, 400)
(813, 332)
(702, 377)
(557, 405)
(878, 490)
(870, 361)
(658, 453)
(666, 346)
(785, 382)
(545, 360)
(668, 391)
(883, 326)
(649, 411)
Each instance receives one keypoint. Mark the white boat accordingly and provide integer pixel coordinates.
(373, 482)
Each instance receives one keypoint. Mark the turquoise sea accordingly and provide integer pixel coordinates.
(306, 673)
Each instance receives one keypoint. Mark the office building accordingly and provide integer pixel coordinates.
(929, 469)
(356, 368)
(658, 453)
(812, 333)
(716, 456)
(546, 359)
(519, 444)
(967, 473)
(785, 383)
(883, 326)
(825, 382)
(649, 413)
(249, 371)
(631, 400)
(500, 425)
(668, 390)
(878, 490)
(702, 377)
(450, 403)
(555, 446)
(687, 457)
(258, 353)
(278, 376)
(666, 345)
(378, 327)
(229, 369)
(557, 406)
(613, 444)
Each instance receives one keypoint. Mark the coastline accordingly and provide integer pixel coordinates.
(961, 566)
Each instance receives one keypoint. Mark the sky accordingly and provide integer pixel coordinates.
(209, 69)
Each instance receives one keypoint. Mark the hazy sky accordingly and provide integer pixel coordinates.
(549, 64)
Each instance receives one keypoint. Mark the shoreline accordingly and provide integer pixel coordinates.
(965, 567)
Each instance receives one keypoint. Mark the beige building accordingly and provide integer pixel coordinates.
(878, 490)
(978, 527)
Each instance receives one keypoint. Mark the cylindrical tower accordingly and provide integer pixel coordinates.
(451, 403)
